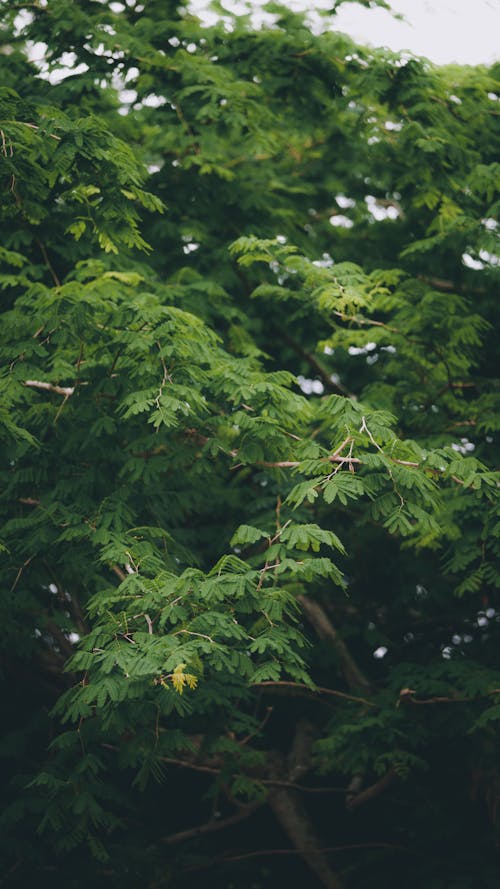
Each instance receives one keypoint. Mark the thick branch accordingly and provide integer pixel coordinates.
(300, 756)
(325, 630)
(288, 811)
(64, 643)
(60, 390)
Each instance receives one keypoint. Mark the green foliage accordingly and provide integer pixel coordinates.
(248, 424)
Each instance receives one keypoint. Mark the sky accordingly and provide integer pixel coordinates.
(463, 31)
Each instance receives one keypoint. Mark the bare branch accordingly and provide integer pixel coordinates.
(211, 826)
(326, 630)
(296, 688)
(59, 390)
(243, 856)
(371, 792)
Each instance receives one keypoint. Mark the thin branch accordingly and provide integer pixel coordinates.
(18, 575)
(265, 720)
(185, 764)
(267, 782)
(33, 126)
(211, 826)
(292, 686)
(324, 850)
(407, 695)
(48, 263)
(302, 788)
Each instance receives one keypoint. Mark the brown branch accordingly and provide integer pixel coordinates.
(33, 126)
(407, 695)
(351, 461)
(302, 788)
(47, 261)
(64, 643)
(371, 792)
(296, 688)
(79, 615)
(267, 782)
(186, 764)
(18, 575)
(264, 721)
(323, 850)
(438, 283)
(294, 820)
(326, 630)
(118, 571)
(300, 757)
(211, 826)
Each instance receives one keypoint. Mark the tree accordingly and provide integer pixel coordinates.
(249, 523)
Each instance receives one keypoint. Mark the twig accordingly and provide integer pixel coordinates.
(407, 695)
(33, 126)
(18, 575)
(269, 711)
(186, 764)
(267, 782)
(284, 684)
(192, 633)
(324, 850)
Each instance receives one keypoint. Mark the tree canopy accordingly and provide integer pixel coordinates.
(249, 437)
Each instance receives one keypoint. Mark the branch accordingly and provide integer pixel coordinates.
(297, 825)
(300, 756)
(118, 571)
(211, 826)
(64, 643)
(407, 695)
(60, 390)
(48, 263)
(267, 782)
(326, 630)
(186, 764)
(294, 688)
(371, 792)
(324, 850)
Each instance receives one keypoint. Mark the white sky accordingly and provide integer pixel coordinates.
(463, 31)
